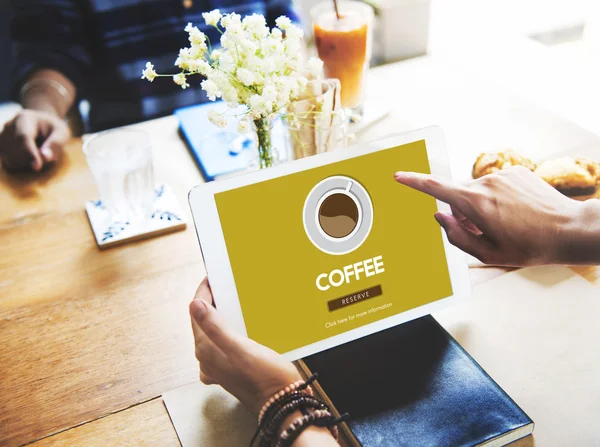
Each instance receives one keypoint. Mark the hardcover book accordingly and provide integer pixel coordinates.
(414, 385)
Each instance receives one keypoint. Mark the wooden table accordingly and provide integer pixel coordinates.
(90, 339)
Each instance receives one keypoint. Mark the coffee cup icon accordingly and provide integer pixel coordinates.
(338, 215)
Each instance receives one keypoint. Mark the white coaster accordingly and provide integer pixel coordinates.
(167, 217)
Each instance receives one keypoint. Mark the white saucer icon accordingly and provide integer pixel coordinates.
(338, 215)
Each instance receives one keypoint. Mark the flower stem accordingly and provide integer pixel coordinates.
(263, 132)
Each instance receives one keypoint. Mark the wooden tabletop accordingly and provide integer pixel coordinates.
(90, 339)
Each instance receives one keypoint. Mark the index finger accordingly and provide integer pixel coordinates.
(441, 189)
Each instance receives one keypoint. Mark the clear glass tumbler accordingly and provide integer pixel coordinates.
(121, 162)
(345, 47)
(317, 133)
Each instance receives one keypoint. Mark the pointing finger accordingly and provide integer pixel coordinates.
(437, 187)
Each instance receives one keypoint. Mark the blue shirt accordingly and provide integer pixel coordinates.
(102, 46)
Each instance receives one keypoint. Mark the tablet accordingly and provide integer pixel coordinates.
(310, 254)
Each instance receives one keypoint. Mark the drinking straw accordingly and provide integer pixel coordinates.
(337, 11)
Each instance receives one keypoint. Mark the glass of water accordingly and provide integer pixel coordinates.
(121, 162)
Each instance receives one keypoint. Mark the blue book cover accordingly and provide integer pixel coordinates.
(219, 152)
(413, 385)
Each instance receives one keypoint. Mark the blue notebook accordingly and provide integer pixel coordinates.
(219, 152)
(413, 385)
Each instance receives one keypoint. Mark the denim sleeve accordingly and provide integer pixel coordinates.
(49, 34)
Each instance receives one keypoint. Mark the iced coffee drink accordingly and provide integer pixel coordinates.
(344, 46)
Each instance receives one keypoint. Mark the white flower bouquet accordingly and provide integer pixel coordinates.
(255, 66)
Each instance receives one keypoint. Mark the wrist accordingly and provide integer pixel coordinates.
(269, 392)
(579, 241)
(48, 91)
(311, 436)
(42, 101)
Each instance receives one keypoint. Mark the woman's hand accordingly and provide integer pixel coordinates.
(511, 218)
(20, 137)
(249, 371)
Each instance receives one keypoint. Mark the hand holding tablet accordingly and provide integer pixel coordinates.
(321, 251)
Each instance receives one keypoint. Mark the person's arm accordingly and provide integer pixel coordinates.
(51, 55)
(50, 64)
(582, 244)
(251, 372)
(312, 436)
(48, 90)
(514, 218)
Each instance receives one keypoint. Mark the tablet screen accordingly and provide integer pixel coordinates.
(323, 251)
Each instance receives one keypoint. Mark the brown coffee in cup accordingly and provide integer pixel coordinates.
(338, 215)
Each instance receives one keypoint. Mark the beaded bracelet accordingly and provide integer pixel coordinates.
(282, 397)
(273, 409)
(290, 434)
(302, 403)
(297, 385)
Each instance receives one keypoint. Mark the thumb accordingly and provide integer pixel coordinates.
(53, 142)
(36, 159)
(214, 327)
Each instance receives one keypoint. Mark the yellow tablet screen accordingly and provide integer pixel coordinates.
(323, 251)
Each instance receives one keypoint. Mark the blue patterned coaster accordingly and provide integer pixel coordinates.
(167, 217)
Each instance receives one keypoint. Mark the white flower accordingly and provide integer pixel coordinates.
(232, 22)
(254, 64)
(211, 89)
(302, 81)
(230, 95)
(243, 126)
(197, 50)
(294, 32)
(196, 37)
(212, 18)
(148, 72)
(217, 119)
(199, 66)
(248, 46)
(184, 53)
(226, 42)
(292, 46)
(180, 80)
(283, 23)
(255, 67)
(259, 106)
(246, 76)
(256, 25)
(315, 66)
(182, 63)
(182, 60)
(227, 63)
(276, 34)
(272, 47)
(270, 93)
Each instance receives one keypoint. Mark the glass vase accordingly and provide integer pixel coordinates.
(267, 154)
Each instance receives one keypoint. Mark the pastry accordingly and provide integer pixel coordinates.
(490, 162)
(572, 176)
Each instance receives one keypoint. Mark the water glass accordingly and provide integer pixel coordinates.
(121, 162)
